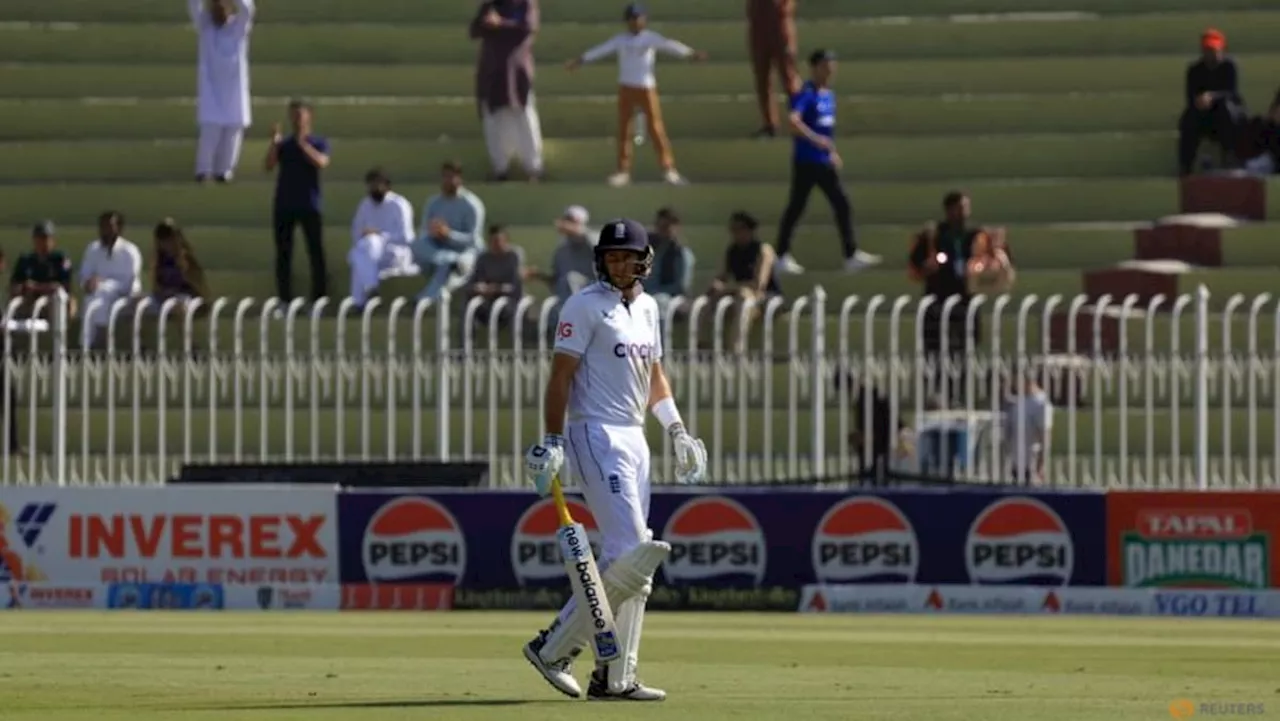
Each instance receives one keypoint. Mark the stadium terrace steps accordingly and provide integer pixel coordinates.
(1160, 74)
(879, 159)
(415, 11)
(248, 202)
(448, 43)
(1058, 119)
(690, 119)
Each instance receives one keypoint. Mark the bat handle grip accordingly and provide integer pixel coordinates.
(562, 508)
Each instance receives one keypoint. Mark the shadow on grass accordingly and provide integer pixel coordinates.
(377, 704)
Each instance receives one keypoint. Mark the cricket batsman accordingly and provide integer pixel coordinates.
(606, 371)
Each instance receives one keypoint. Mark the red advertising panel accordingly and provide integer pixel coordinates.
(1193, 540)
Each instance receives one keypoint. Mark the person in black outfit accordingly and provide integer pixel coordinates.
(816, 162)
(300, 157)
(42, 272)
(1261, 145)
(1214, 107)
(940, 260)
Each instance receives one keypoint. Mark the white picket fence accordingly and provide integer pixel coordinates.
(251, 381)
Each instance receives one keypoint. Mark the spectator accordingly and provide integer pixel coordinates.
(943, 255)
(638, 89)
(111, 271)
(1262, 141)
(504, 84)
(748, 273)
(871, 404)
(672, 261)
(42, 272)
(497, 275)
(1214, 107)
(298, 199)
(176, 273)
(451, 234)
(1027, 423)
(815, 162)
(771, 28)
(573, 265)
(224, 106)
(381, 238)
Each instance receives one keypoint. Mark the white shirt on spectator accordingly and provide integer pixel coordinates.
(1028, 421)
(118, 268)
(637, 56)
(392, 218)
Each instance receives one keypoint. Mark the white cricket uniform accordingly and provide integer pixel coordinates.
(388, 252)
(224, 106)
(1028, 420)
(119, 273)
(617, 344)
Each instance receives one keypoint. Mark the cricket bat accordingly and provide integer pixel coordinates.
(580, 563)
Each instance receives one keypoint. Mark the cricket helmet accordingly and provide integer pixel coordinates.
(624, 234)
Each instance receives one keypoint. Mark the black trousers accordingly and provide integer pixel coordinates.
(804, 176)
(1219, 122)
(312, 223)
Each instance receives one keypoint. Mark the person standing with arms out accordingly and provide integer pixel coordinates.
(815, 161)
(607, 369)
(638, 89)
(223, 104)
(300, 158)
(506, 30)
(771, 35)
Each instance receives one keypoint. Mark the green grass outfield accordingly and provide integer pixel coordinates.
(455, 666)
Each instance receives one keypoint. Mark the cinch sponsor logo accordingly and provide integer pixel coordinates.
(867, 539)
(1195, 549)
(535, 555)
(22, 533)
(1019, 540)
(414, 538)
(713, 537)
(633, 350)
(180, 536)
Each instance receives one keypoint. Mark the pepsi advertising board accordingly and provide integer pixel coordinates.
(742, 550)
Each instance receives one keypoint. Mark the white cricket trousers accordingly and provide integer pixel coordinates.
(218, 150)
(611, 464)
(372, 258)
(514, 132)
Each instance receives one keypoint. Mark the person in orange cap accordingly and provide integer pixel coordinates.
(1214, 107)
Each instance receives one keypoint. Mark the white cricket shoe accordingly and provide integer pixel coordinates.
(788, 265)
(599, 691)
(619, 180)
(558, 673)
(673, 177)
(860, 261)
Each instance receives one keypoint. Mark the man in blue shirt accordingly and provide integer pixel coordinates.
(299, 158)
(815, 161)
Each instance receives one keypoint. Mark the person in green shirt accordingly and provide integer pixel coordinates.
(43, 271)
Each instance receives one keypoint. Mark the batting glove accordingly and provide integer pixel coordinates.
(543, 462)
(691, 455)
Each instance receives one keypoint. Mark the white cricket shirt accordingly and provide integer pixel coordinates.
(617, 345)
(393, 218)
(119, 270)
(637, 56)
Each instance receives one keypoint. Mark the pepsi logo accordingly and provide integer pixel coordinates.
(1019, 540)
(714, 538)
(535, 552)
(413, 538)
(865, 539)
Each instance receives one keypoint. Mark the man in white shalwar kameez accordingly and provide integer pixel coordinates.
(223, 104)
(381, 236)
